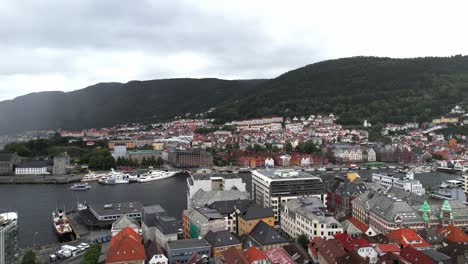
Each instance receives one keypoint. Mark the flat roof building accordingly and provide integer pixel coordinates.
(272, 188)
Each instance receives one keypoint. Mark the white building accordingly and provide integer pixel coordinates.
(159, 259)
(407, 183)
(36, 167)
(269, 162)
(123, 222)
(213, 182)
(308, 216)
(120, 151)
(272, 188)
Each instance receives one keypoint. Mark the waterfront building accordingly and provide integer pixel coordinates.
(35, 167)
(221, 241)
(181, 251)
(272, 188)
(111, 212)
(122, 222)
(407, 183)
(139, 155)
(8, 163)
(249, 218)
(9, 238)
(225, 186)
(126, 247)
(386, 212)
(192, 158)
(308, 216)
(61, 164)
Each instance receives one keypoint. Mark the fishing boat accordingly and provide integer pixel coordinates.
(80, 187)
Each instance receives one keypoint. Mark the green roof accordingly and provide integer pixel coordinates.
(425, 217)
(446, 206)
(425, 207)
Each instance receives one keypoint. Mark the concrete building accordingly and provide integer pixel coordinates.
(272, 188)
(181, 251)
(8, 163)
(192, 158)
(208, 182)
(61, 164)
(197, 222)
(221, 241)
(407, 183)
(308, 216)
(158, 226)
(9, 238)
(125, 221)
(120, 151)
(249, 218)
(139, 155)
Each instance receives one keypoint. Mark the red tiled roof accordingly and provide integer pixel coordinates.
(360, 225)
(453, 233)
(278, 255)
(125, 246)
(345, 240)
(234, 255)
(361, 242)
(253, 254)
(385, 248)
(408, 237)
(315, 244)
(413, 255)
(331, 250)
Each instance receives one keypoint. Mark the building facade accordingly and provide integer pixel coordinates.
(181, 251)
(36, 167)
(61, 163)
(192, 158)
(407, 183)
(139, 155)
(308, 216)
(8, 163)
(9, 238)
(272, 188)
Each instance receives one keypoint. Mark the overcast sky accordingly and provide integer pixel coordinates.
(68, 45)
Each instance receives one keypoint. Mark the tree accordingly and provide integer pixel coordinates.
(288, 148)
(152, 161)
(159, 162)
(303, 240)
(257, 147)
(91, 255)
(275, 149)
(308, 147)
(144, 162)
(29, 257)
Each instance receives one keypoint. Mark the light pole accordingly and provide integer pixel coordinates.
(34, 240)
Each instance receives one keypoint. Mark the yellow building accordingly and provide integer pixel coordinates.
(158, 146)
(247, 220)
(443, 120)
(130, 144)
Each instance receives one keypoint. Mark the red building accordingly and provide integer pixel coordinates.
(126, 247)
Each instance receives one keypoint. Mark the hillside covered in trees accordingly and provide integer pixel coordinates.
(359, 88)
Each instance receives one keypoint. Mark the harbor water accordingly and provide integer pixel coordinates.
(35, 202)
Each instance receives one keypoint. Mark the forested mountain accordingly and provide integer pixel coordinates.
(106, 104)
(358, 88)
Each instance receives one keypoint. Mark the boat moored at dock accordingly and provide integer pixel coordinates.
(155, 175)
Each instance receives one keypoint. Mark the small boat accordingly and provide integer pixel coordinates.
(321, 169)
(80, 187)
(374, 168)
(115, 178)
(392, 167)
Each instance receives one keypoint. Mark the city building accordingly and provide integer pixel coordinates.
(255, 256)
(233, 255)
(249, 218)
(395, 209)
(329, 251)
(9, 238)
(272, 188)
(8, 163)
(266, 237)
(192, 158)
(180, 251)
(230, 209)
(112, 212)
(159, 259)
(406, 237)
(204, 186)
(122, 222)
(61, 164)
(308, 216)
(35, 167)
(221, 241)
(120, 151)
(407, 183)
(341, 194)
(126, 247)
(139, 155)
(129, 144)
(196, 222)
(158, 226)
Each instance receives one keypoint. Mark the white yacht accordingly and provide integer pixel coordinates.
(155, 175)
(115, 177)
(92, 176)
(451, 184)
